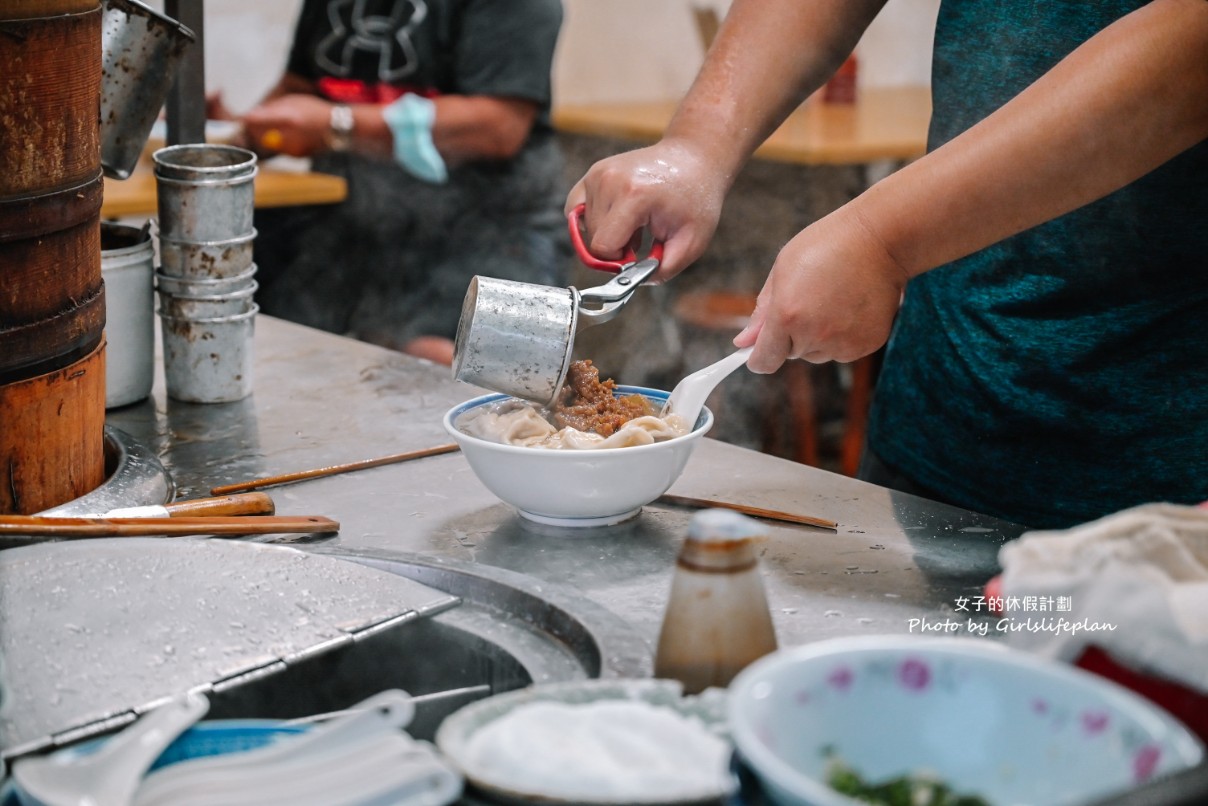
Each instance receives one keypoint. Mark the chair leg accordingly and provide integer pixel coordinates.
(858, 399)
(799, 385)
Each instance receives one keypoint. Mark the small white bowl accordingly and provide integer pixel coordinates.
(595, 487)
(986, 720)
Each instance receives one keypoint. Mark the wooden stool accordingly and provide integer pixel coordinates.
(729, 312)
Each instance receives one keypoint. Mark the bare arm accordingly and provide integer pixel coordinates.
(1123, 103)
(766, 60)
(1120, 105)
(466, 127)
(769, 55)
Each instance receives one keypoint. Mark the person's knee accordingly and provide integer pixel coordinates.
(437, 349)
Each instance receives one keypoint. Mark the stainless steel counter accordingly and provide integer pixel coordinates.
(321, 400)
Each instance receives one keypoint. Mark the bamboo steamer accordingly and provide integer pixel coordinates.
(50, 102)
(52, 303)
(53, 437)
(52, 306)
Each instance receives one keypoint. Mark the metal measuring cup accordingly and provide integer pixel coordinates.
(517, 338)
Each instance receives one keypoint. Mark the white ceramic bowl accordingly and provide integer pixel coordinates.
(987, 720)
(582, 751)
(577, 487)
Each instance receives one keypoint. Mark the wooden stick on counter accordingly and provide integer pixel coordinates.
(164, 527)
(332, 470)
(756, 512)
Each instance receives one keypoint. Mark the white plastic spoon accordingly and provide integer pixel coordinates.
(689, 395)
(109, 776)
(384, 713)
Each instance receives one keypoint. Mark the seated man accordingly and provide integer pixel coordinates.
(437, 113)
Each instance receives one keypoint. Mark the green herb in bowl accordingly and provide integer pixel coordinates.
(919, 789)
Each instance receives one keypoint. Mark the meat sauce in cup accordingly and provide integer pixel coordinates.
(593, 458)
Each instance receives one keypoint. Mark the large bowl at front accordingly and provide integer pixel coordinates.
(566, 487)
(979, 717)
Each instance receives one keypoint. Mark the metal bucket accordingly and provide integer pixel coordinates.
(208, 360)
(208, 260)
(206, 193)
(141, 50)
(518, 338)
(127, 265)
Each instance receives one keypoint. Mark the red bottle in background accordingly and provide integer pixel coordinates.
(841, 89)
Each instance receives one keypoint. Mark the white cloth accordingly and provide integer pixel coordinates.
(1142, 571)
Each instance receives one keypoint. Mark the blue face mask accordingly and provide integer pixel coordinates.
(410, 120)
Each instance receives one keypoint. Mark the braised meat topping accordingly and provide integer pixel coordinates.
(589, 404)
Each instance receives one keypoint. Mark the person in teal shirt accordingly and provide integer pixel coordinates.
(1040, 277)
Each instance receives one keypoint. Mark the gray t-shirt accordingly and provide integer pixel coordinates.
(394, 260)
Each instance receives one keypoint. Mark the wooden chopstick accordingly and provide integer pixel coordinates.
(165, 527)
(679, 500)
(756, 512)
(331, 470)
(221, 505)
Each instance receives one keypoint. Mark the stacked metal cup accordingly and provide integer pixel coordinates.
(205, 278)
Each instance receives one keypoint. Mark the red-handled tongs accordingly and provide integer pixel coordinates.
(631, 272)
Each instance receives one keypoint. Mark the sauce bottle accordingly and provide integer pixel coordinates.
(717, 619)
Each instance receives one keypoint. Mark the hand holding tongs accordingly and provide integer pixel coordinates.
(631, 272)
(518, 338)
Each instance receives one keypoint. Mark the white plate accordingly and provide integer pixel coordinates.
(455, 733)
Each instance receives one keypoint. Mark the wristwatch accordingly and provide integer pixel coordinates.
(341, 125)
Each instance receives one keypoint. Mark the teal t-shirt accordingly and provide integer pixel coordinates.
(1061, 374)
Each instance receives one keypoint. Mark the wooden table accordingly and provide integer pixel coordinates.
(886, 123)
(274, 188)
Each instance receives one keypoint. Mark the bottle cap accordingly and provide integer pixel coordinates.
(719, 525)
(720, 540)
